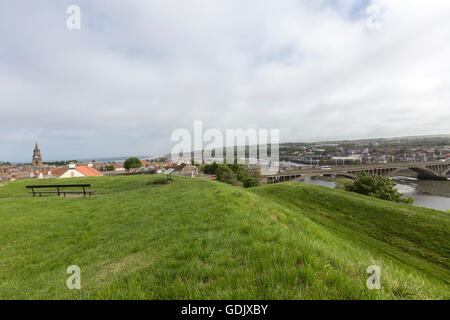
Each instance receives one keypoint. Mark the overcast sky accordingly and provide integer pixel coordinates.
(137, 70)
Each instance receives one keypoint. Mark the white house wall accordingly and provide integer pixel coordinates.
(72, 173)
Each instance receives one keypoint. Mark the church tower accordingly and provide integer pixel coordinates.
(37, 158)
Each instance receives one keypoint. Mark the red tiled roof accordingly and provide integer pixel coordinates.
(57, 172)
(88, 171)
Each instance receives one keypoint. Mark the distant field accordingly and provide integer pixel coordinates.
(201, 239)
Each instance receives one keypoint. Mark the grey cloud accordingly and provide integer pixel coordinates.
(137, 70)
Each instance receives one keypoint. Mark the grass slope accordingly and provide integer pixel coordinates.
(416, 236)
(200, 239)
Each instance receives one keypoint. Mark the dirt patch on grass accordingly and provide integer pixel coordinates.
(80, 196)
(124, 266)
(158, 182)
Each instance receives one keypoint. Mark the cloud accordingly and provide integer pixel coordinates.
(138, 70)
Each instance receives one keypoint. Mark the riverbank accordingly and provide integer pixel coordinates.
(426, 193)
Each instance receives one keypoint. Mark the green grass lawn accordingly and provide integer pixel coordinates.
(201, 239)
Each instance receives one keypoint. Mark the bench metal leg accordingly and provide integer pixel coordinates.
(63, 193)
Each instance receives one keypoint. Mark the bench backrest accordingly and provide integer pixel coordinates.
(60, 186)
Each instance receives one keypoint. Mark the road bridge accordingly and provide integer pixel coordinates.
(432, 170)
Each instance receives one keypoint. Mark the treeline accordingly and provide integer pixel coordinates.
(160, 159)
(60, 163)
(235, 174)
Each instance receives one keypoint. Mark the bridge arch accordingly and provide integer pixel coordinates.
(346, 175)
(341, 174)
(427, 173)
(396, 171)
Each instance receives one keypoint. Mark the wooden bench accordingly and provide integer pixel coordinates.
(60, 189)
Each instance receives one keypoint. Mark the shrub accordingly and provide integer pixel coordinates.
(109, 167)
(132, 163)
(236, 174)
(250, 182)
(225, 174)
(374, 186)
(210, 168)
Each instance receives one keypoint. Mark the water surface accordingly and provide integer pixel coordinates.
(427, 193)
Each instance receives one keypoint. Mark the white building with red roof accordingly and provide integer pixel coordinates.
(74, 171)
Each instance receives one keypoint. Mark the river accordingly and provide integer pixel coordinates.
(427, 193)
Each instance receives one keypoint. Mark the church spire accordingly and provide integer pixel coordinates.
(37, 158)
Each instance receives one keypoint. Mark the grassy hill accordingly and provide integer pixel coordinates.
(201, 239)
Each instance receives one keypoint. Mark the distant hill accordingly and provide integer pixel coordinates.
(202, 239)
(438, 137)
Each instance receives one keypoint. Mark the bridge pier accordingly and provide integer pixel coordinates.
(282, 178)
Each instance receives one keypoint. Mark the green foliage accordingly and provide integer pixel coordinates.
(210, 168)
(239, 170)
(132, 163)
(254, 172)
(374, 186)
(225, 174)
(109, 167)
(60, 163)
(235, 174)
(161, 159)
(250, 182)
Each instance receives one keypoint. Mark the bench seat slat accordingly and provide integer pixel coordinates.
(62, 192)
(60, 186)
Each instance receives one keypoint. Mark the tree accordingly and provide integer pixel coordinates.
(132, 163)
(235, 174)
(225, 174)
(239, 170)
(374, 186)
(210, 168)
(109, 167)
(254, 172)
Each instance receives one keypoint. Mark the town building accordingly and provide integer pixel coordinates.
(74, 171)
(37, 158)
